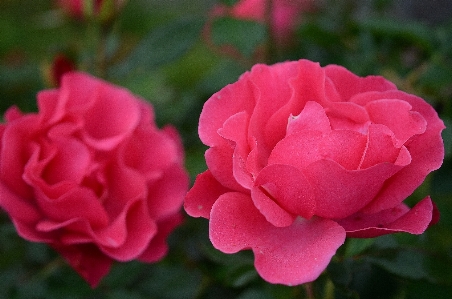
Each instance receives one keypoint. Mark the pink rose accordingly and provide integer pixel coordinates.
(77, 8)
(284, 14)
(92, 175)
(302, 156)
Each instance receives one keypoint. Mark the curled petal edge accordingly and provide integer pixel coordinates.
(399, 219)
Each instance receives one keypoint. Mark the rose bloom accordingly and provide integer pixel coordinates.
(92, 175)
(76, 8)
(303, 156)
(284, 14)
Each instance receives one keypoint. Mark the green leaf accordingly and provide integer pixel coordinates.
(406, 263)
(244, 35)
(162, 45)
(356, 246)
(408, 31)
(229, 2)
(170, 281)
(255, 294)
(426, 290)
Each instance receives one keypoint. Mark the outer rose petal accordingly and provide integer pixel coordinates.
(23, 213)
(221, 165)
(158, 247)
(398, 219)
(290, 255)
(87, 260)
(15, 153)
(200, 199)
(234, 129)
(398, 116)
(349, 84)
(426, 150)
(219, 108)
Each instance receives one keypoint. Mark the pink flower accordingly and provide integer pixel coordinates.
(77, 8)
(92, 175)
(302, 156)
(284, 14)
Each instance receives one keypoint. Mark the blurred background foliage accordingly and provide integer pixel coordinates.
(160, 50)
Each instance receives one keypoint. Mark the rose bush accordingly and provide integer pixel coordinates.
(283, 18)
(302, 156)
(92, 175)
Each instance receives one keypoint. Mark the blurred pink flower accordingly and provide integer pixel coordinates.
(91, 175)
(284, 16)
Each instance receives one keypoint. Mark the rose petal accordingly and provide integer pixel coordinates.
(307, 85)
(291, 255)
(298, 150)
(120, 116)
(257, 159)
(349, 84)
(312, 117)
(397, 219)
(79, 202)
(381, 147)
(70, 163)
(23, 213)
(72, 231)
(158, 246)
(51, 106)
(166, 195)
(271, 90)
(340, 192)
(152, 163)
(11, 114)
(347, 115)
(15, 153)
(129, 234)
(220, 163)
(87, 260)
(235, 130)
(203, 194)
(426, 150)
(288, 188)
(306, 147)
(398, 116)
(77, 90)
(219, 107)
(272, 212)
(172, 133)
